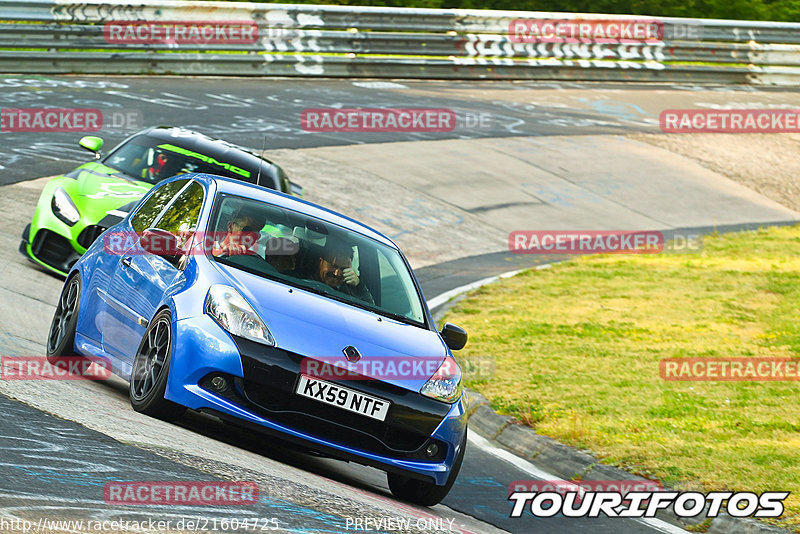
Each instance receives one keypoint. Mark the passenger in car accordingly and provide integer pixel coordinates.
(335, 269)
(242, 235)
(281, 252)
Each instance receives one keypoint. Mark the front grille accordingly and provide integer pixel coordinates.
(89, 235)
(270, 376)
(50, 247)
(54, 250)
(332, 423)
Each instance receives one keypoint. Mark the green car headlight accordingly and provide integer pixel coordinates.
(64, 208)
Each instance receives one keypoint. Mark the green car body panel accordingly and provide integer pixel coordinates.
(102, 194)
(96, 191)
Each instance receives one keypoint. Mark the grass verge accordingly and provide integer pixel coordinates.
(576, 352)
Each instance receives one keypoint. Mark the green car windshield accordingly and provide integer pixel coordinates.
(314, 255)
(152, 160)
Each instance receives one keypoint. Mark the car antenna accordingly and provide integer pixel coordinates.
(263, 148)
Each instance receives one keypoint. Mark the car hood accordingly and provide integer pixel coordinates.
(101, 189)
(313, 325)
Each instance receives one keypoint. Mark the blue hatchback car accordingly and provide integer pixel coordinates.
(274, 314)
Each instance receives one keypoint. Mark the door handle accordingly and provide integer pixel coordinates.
(126, 261)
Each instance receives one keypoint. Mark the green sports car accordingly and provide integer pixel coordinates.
(75, 208)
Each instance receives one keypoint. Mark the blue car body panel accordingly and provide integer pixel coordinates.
(117, 303)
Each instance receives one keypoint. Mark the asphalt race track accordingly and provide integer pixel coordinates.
(245, 111)
(62, 441)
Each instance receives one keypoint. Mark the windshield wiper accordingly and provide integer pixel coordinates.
(122, 174)
(359, 304)
(319, 291)
(398, 317)
(354, 301)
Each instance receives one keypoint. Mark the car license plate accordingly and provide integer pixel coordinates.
(342, 397)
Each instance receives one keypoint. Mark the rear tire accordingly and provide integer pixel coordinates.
(151, 370)
(426, 493)
(61, 338)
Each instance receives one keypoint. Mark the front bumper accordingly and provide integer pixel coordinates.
(49, 249)
(260, 395)
(54, 250)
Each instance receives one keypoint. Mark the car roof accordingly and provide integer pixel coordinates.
(261, 193)
(209, 146)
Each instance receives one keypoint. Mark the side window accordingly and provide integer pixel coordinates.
(397, 292)
(182, 216)
(147, 212)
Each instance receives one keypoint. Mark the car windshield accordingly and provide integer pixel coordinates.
(316, 255)
(152, 160)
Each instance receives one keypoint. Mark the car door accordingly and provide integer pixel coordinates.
(141, 278)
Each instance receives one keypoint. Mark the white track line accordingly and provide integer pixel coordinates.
(438, 300)
(524, 465)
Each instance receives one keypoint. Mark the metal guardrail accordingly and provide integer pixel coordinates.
(57, 36)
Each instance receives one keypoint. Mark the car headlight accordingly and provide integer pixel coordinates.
(233, 313)
(445, 384)
(64, 208)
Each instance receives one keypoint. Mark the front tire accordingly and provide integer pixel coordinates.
(426, 493)
(151, 371)
(61, 338)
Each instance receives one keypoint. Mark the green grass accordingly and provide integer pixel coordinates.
(577, 349)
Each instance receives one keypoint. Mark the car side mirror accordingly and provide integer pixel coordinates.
(161, 243)
(92, 143)
(454, 336)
